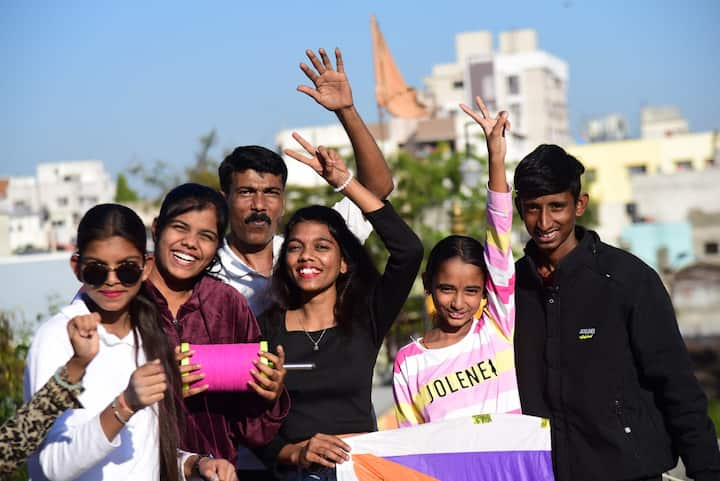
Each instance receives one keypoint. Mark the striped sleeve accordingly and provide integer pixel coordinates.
(406, 411)
(500, 283)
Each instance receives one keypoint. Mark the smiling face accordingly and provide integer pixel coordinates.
(256, 201)
(313, 259)
(187, 244)
(550, 221)
(457, 291)
(112, 295)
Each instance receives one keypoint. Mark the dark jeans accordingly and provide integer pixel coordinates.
(318, 473)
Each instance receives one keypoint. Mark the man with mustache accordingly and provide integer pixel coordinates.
(253, 180)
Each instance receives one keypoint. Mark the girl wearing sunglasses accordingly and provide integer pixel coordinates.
(128, 425)
(197, 308)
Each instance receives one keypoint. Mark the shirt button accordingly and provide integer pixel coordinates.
(551, 300)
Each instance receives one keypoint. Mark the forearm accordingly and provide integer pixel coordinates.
(497, 181)
(372, 169)
(361, 196)
(23, 432)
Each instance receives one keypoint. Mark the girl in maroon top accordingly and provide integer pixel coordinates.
(200, 309)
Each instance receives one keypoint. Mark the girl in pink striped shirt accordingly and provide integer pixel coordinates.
(465, 364)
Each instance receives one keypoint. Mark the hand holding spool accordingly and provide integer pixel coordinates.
(232, 368)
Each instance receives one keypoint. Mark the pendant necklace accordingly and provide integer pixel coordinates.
(315, 343)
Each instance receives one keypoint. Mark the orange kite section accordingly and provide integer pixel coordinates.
(373, 468)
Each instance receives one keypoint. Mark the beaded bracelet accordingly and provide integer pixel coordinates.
(60, 377)
(342, 186)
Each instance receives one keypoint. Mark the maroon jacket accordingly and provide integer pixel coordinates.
(216, 423)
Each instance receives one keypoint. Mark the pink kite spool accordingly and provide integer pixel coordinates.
(226, 366)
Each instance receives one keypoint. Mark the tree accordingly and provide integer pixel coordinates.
(205, 169)
(123, 192)
(160, 177)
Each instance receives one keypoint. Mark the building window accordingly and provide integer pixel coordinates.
(513, 85)
(516, 116)
(712, 248)
(458, 84)
(637, 170)
(62, 201)
(683, 165)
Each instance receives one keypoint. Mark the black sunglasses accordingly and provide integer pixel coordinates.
(95, 274)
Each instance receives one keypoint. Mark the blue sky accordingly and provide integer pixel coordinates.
(137, 81)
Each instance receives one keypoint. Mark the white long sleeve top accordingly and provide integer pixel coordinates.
(76, 446)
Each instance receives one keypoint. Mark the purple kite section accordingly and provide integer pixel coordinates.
(482, 466)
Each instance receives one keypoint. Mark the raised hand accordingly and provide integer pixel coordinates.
(188, 374)
(269, 381)
(83, 334)
(494, 128)
(147, 385)
(332, 89)
(326, 162)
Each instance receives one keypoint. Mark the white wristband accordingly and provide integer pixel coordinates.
(342, 186)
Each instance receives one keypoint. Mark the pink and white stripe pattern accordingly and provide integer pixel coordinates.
(477, 374)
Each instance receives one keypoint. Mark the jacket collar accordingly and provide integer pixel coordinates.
(584, 254)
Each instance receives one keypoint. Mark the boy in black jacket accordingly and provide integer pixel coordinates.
(597, 345)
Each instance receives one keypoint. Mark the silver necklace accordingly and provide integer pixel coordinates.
(314, 342)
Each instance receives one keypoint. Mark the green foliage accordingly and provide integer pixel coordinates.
(160, 177)
(205, 169)
(714, 413)
(123, 192)
(157, 176)
(12, 364)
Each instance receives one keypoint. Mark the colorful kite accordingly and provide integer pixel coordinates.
(485, 447)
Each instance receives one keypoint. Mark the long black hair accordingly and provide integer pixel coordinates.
(353, 286)
(193, 197)
(110, 220)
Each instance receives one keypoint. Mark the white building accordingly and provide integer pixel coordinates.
(605, 128)
(530, 83)
(43, 211)
(662, 121)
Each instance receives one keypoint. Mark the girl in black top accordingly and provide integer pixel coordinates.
(333, 309)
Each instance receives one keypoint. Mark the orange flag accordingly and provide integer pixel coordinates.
(390, 88)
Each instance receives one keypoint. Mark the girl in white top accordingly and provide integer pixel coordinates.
(128, 426)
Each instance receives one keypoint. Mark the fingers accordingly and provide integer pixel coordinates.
(303, 142)
(188, 368)
(474, 115)
(180, 355)
(326, 450)
(482, 107)
(325, 59)
(309, 91)
(147, 385)
(217, 469)
(309, 73)
(315, 61)
(500, 124)
(339, 61)
(311, 162)
(85, 326)
(192, 391)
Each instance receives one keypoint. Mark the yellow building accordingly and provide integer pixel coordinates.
(610, 167)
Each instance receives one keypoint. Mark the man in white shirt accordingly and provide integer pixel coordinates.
(253, 180)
